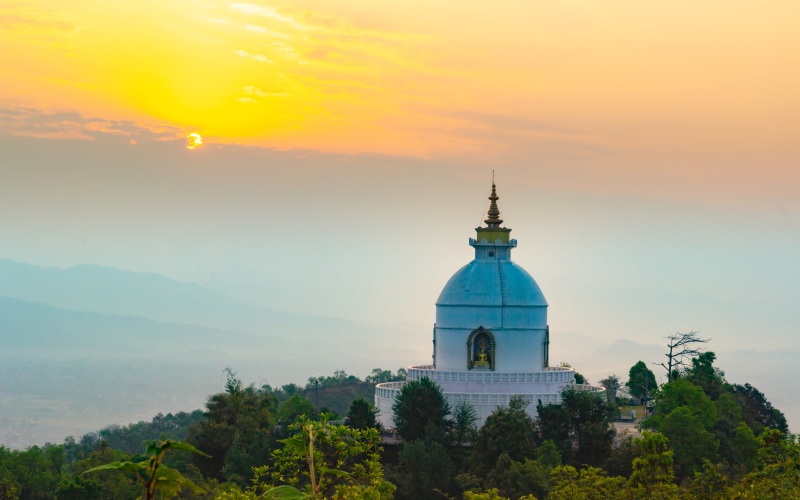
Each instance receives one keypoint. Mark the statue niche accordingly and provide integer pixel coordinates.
(480, 349)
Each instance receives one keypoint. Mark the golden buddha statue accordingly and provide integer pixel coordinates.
(482, 357)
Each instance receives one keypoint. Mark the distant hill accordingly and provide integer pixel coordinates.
(107, 290)
(30, 328)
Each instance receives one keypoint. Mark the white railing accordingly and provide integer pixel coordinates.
(502, 399)
(589, 388)
(388, 390)
(554, 374)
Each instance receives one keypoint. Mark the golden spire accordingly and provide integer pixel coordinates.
(494, 219)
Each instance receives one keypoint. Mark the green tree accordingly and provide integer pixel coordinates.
(420, 409)
(641, 381)
(78, 489)
(424, 470)
(580, 426)
(362, 415)
(237, 431)
(757, 411)
(704, 374)
(295, 406)
(778, 474)
(508, 430)
(590, 483)
(464, 428)
(611, 384)
(680, 393)
(690, 440)
(745, 446)
(152, 473)
(113, 485)
(530, 477)
(321, 460)
(652, 467)
(36, 471)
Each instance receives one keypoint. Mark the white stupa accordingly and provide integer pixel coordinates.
(491, 339)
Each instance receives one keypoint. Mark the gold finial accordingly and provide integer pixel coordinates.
(494, 219)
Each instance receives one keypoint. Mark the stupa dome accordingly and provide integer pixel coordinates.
(489, 282)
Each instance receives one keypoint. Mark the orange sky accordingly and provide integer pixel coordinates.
(419, 78)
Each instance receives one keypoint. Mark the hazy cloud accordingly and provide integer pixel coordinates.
(287, 52)
(252, 90)
(266, 31)
(33, 122)
(256, 57)
(265, 11)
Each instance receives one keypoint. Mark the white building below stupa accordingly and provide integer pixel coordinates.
(491, 340)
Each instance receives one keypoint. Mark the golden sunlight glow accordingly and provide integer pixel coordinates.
(193, 140)
(361, 76)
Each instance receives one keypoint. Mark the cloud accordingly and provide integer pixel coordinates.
(265, 11)
(35, 22)
(28, 121)
(253, 90)
(287, 52)
(246, 100)
(257, 57)
(266, 31)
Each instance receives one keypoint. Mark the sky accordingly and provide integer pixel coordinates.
(646, 153)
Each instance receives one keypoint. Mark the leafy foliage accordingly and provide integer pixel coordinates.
(757, 412)
(237, 431)
(611, 384)
(425, 469)
(580, 426)
(362, 415)
(509, 431)
(420, 409)
(641, 381)
(322, 460)
(152, 473)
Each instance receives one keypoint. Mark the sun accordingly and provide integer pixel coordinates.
(193, 140)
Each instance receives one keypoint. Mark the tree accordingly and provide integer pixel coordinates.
(682, 393)
(321, 460)
(682, 347)
(420, 405)
(425, 470)
(295, 406)
(78, 489)
(690, 440)
(641, 381)
(703, 373)
(508, 431)
(522, 479)
(652, 466)
(237, 430)
(362, 415)
(611, 385)
(464, 429)
(589, 483)
(580, 426)
(152, 473)
(757, 411)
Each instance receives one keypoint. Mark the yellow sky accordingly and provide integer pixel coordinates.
(420, 78)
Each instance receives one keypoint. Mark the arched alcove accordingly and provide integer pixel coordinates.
(481, 348)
